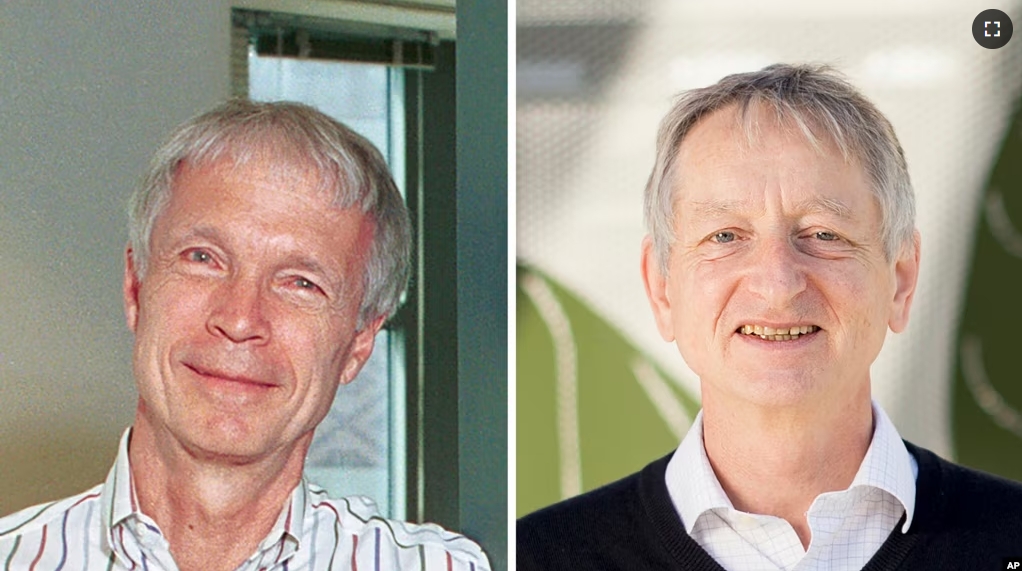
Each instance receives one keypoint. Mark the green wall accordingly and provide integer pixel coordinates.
(987, 393)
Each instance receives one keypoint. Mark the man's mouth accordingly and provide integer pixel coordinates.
(778, 333)
(227, 376)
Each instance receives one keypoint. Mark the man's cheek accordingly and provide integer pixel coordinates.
(694, 349)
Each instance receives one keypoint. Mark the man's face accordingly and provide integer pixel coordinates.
(245, 320)
(770, 237)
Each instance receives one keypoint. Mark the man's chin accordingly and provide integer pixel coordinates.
(771, 387)
(227, 442)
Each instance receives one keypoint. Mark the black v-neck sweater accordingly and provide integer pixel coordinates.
(963, 519)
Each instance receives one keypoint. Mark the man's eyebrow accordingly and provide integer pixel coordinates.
(207, 232)
(192, 232)
(338, 278)
(718, 206)
(825, 205)
(309, 265)
(814, 205)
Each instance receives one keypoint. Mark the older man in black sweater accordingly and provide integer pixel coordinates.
(782, 247)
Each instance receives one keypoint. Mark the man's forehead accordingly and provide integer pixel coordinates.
(312, 240)
(288, 182)
(728, 159)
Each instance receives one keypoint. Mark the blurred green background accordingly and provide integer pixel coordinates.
(619, 425)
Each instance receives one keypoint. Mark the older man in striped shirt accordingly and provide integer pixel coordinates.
(268, 245)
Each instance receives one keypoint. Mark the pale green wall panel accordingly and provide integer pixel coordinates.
(623, 423)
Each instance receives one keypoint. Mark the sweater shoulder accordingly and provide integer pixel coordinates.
(579, 517)
(582, 532)
(964, 500)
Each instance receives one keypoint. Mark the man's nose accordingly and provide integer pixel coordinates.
(237, 311)
(775, 272)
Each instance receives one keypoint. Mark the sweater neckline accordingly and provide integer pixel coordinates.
(667, 526)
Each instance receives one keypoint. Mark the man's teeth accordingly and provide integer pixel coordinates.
(782, 334)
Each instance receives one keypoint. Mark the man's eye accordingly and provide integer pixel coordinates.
(826, 236)
(200, 256)
(723, 237)
(304, 283)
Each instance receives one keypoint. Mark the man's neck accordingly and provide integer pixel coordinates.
(204, 507)
(776, 461)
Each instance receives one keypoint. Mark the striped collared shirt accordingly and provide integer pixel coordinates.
(848, 527)
(103, 528)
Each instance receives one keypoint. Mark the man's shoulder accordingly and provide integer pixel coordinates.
(611, 527)
(962, 480)
(359, 517)
(593, 507)
(960, 499)
(33, 520)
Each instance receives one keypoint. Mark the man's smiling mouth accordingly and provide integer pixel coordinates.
(227, 376)
(778, 334)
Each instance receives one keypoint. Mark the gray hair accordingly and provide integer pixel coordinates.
(807, 96)
(348, 165)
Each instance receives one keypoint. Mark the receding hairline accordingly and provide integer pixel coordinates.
(289, 176)
(268, 145)
(749, 118)
(746, 120)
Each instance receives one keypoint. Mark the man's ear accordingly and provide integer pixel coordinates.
(360, 350)
(906, 276)
(656, 290)
(130, 290)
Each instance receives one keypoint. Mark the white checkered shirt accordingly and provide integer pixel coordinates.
(848, 527)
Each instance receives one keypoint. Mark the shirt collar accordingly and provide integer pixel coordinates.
(118, 499)
(120, 504)
(695, 489)
(286, 534)
(888, 465)
(691, 483)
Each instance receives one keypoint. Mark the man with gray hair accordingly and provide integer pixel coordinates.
(781, 249)
(268, 246)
